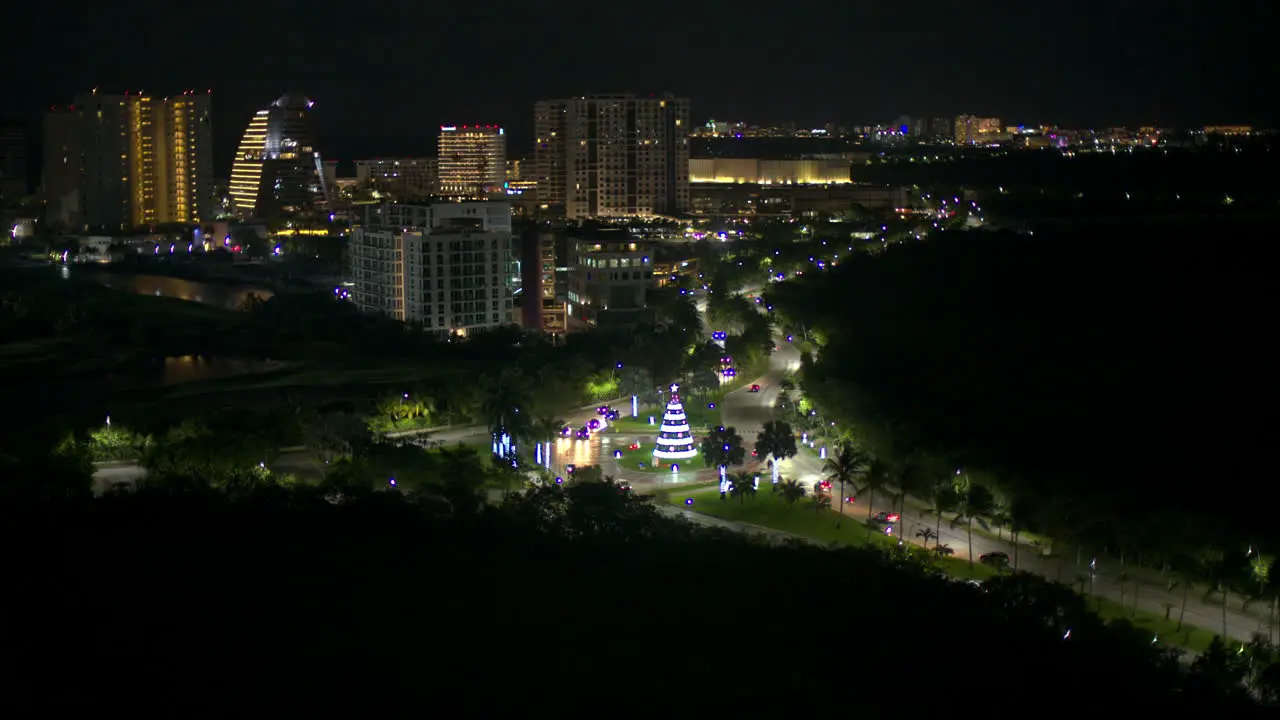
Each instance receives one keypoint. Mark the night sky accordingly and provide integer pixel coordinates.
(384, 78)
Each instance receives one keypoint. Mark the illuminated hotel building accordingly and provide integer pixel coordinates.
(971, 130)
(473, 160)
(277, 170)
(448, 267)
(613, 155)
(122, 161)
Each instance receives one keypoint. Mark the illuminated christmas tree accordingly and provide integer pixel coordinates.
(675, 437)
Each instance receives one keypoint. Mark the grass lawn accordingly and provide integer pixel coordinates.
(701, 417)
(768, 510)
(1192, 638)
(665, 494)
(642, 461)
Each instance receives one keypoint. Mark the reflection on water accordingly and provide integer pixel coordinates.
(231, 297)
(190, 368)
(175, 370)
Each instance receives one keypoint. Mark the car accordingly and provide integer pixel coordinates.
(602, 410)
(755, 387)
(887, 518)
(593, 424)
(994, 559)
(584, 433)
(566, 431)
(634, 446)
(611, 415)
(624, 486)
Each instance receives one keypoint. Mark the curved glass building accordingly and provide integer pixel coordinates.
(277, 169)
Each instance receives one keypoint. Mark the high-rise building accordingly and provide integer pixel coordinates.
(277, 170)
(184, 145)
(971, 130)
(403, 178)
(448, 267)
(13, 163)
(544, 281)
(613, 155)
(473, 160)
(130, 160)
(60, 178)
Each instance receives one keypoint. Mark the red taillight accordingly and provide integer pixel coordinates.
(893, 517)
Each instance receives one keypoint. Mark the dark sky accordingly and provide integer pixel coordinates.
(386, 75)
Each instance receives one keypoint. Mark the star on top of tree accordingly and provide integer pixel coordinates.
(674, 388)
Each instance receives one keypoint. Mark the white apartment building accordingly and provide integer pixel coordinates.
(613, 155)
(448, 267)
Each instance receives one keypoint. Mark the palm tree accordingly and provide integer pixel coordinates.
(546, 429)
(875, 477)
(502, 402)
(1018, 510)
(777, 440)
(909, 479)
(975, 502)
(943, 499)
(1000, 519)
(792, 492)
(843, 467)
(1224, 568)
(927, 534)
(742, 485)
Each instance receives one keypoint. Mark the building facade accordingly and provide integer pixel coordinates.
(277, 170)
(544, 282)
(752, 171)
(60, 169)
(13, 163)
(122, 161)
(972, 130)
(609, 280)
(472, 160)
(402, 178)
(613, 155)
(448, 267)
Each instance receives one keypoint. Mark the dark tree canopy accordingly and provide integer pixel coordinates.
(1132, 363)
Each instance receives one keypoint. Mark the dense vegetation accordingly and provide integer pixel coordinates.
(1101, 388)
(182, 597)
(108, 349)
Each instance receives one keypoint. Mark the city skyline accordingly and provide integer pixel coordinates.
(1130, 68)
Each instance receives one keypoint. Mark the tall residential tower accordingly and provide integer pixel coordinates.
(613, 155)
(121, 161)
